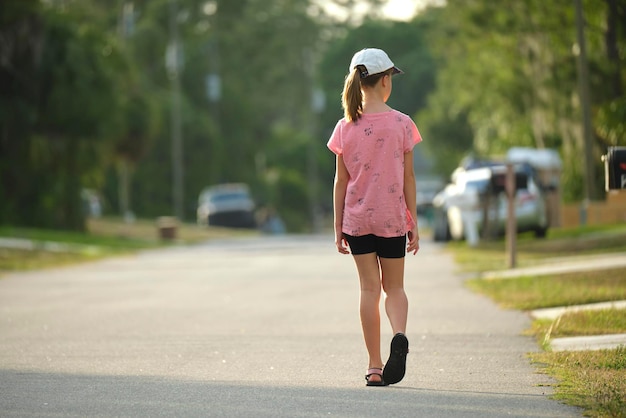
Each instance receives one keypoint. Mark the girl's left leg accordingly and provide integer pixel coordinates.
(369, 277)
(396, 302)
(396, 305)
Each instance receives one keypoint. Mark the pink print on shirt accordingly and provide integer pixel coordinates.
(373, 150)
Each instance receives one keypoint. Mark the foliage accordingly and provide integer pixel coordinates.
(508, 74)
(85, 95)
(259, 52)
(53, 133)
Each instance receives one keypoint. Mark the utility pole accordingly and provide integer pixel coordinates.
(174, 65)
(127, 27)
(580, 50)
(316, 106)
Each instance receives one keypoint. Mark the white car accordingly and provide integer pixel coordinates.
(228, 205)
(467, 200)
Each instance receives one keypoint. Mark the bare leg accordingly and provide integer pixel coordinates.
(396, 302)
(369, 277)
(396, 306)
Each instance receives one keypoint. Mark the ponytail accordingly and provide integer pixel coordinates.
(352, 96)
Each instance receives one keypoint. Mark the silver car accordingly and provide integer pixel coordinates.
(228, 205)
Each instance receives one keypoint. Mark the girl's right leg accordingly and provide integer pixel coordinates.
(369, 277)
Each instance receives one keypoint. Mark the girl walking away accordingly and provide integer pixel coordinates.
(374, 203)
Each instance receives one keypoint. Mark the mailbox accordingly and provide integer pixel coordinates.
(615, 168)
(497, 183)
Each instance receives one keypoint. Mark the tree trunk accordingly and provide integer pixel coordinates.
(612, 21)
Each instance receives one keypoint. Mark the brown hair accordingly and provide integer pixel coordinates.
(352, 96)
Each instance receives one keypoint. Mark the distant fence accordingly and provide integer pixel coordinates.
(610, 211)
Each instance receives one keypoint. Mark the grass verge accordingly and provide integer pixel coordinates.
(592, 380)
(530, 292)
(580, 323)
(36, 248)
(490, 255)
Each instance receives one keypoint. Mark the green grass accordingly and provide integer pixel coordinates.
(592, 380)
(579, 288)
(587, 232)
(491, 255)
(600, 322)
(55, 248)
(15, 260)
(77, 239)
(103, 238)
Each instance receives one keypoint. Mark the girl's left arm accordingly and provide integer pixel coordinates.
(410, 199)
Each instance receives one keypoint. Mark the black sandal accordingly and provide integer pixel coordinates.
(396, 365)
(374, 371)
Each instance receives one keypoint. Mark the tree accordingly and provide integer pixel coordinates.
(509, 71)
(259, 51)
(66, 89)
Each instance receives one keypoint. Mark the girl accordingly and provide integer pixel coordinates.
(374, 203)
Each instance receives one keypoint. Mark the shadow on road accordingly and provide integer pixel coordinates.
(51, 394)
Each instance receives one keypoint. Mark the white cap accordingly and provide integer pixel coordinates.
(374, 60)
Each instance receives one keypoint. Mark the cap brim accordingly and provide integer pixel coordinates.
(396, 70)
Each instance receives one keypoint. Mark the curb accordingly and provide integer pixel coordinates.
(582, 343)
(50, 246)
(564, 265)
(554, 313)
(594, 342)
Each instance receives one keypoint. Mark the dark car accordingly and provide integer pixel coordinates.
(228, 205)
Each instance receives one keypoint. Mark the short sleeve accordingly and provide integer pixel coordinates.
(412, 135)
(335, 143)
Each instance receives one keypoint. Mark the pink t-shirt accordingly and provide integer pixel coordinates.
(373, 151)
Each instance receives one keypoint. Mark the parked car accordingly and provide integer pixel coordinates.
(228, 205)
(426, 189)
(470, 198)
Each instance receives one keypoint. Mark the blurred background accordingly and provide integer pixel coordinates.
(137, 108)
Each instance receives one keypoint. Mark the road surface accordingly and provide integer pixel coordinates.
(254, 327)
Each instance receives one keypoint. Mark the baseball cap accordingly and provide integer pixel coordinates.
(374, 60)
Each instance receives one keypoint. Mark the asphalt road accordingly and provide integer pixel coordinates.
(262, 327)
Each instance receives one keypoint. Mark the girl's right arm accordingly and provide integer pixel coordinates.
(410, 199)
(339, 201)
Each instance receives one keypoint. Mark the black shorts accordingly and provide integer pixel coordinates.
(384, 247)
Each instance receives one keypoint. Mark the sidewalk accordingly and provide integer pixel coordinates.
(50, 246)
(563, 265)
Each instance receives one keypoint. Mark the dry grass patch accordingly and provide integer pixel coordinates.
(549, 291)
(12, 259)
(601, 322)
(594, 380)
(104, 237)
(491, 255)
(147, 230)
